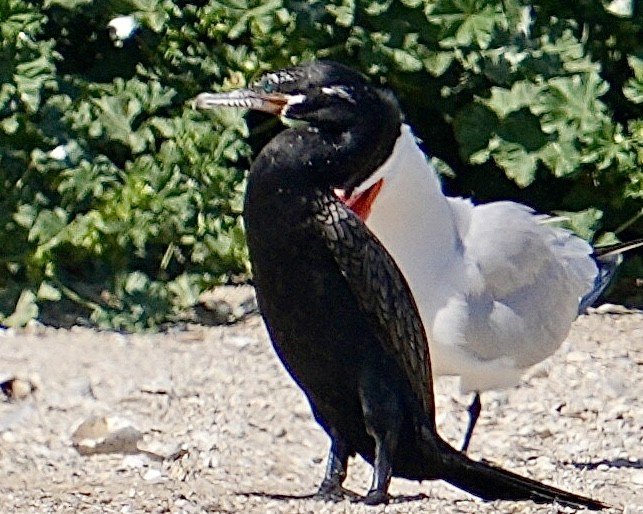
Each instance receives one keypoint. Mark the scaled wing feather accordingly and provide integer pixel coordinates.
(381, 291)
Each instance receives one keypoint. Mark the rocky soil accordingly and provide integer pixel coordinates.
(205, 419)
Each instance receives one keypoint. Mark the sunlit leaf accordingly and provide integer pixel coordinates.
(26, 309)
(518, 164)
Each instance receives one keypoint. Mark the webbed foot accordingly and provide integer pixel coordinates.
(332, 491)
(375, 497)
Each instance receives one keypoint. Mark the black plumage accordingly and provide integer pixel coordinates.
(338, 310)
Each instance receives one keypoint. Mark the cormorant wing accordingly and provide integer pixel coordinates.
(381, 291)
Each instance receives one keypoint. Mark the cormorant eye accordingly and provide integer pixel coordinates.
(268, 87)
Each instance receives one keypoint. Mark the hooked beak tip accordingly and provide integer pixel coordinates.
(197, 103)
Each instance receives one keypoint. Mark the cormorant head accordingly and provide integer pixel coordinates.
(321, 93)
(350, 125)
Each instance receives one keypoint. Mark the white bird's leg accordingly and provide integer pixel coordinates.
(474, 413)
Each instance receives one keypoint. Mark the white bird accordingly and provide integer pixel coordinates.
(496, 286)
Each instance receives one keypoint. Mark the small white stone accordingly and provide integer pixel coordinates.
(621, 8)
(59, 153)
(8, 437)
(134, 461)
(122, 27)
(610, 308)
(577, 356)
(152, 474)
(637, 477)
(240, 342)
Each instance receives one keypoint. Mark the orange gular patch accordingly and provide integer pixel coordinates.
(361, 203)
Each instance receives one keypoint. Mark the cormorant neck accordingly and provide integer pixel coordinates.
(326, 155)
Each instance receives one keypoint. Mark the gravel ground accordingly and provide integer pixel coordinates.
(222, 428)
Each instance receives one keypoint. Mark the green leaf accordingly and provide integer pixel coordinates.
(467, 22)
(406, 61)
(10, 125)
(47, 225)
(583, 223)
(259, 17)
(505, 101)
(636, 63)
(25, 215)
(48, 292)
(66, 4)
(377, 8)
(136, 282)
(519, 165)
(144, 204)
(117, 115)
(562, 157)
(442, 167)
(572, 101)
(186, 290)
(26, 310)
(474, 126)
(19, 17)
(477, 28)
(522, 127)
(30, 78)
(344, 13)
(437, 63)
(633, 89)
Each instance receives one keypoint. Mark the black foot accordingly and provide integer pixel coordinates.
(333, 492)
(375, 497)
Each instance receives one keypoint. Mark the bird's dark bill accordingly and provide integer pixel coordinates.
(361, 203)
(272, 103)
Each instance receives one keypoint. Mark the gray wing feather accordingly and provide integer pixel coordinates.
(532, 278)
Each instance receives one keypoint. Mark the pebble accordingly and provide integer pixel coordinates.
(578, 356)
(105, 434)
(134, 461)
(637, 477)
(152, 474)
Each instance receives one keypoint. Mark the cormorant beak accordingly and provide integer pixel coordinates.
(272, 103)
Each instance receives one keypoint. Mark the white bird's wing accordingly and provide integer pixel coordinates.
(525, 281)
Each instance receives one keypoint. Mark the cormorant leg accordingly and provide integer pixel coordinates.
(331, 488)
(474, 413)
(382, 469)
(383, 418)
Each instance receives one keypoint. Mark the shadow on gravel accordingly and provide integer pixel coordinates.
(286, 497)
(280, 497)
(613, 463)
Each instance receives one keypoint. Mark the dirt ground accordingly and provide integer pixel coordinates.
(222, 428)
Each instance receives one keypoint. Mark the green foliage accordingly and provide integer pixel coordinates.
(119, 197)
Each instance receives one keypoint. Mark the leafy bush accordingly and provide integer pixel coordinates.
(118, 197)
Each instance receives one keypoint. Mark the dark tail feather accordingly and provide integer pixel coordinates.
(491, 483)
(602, 252)
(608, 258)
